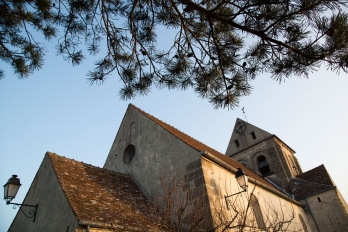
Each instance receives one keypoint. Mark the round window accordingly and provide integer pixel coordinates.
(128, 154)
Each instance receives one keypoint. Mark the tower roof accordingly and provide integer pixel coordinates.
(246, 135)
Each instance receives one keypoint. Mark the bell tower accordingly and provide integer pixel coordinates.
(264, 153)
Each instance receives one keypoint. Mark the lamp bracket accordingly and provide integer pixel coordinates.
(228, 208)
(31, 213)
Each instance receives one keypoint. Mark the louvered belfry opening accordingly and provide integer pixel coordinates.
(263, 166)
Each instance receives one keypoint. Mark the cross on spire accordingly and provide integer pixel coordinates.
(244, 114)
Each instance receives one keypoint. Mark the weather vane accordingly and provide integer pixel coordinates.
(244, 114)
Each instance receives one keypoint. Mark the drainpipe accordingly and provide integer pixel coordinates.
(88, 228)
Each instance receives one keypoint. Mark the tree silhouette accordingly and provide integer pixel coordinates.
(186, 210)
(218, 47)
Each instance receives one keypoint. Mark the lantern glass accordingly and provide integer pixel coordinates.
(242, 179)
(5, 191)
(11, 188)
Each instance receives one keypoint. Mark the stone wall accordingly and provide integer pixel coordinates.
(329, 210)
(280, 160)
(160, 160)
(245, 135)
(54, 212)
(221, 182)
(158, 153)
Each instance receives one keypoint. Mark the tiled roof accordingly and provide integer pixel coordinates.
(311, 182)
(102, 196)
(317, 175)
(202, 147)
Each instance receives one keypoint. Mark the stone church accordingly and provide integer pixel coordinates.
(157, 178)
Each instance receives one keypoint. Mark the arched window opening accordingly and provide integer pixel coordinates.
(128, 154)
(236, 142)
(257, 212)
(263, 166)
(304, 226)
(253, 135)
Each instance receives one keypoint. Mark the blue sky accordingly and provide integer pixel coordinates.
(57, 110)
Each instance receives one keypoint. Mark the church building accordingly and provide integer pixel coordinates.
(157, 178)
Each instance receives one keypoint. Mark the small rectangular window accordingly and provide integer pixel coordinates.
(253, 135)
(236, 142)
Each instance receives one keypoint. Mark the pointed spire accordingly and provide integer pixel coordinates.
(245, 135)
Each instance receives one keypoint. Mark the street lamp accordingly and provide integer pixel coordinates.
(11, 188)
(242, 180)
(10, 191)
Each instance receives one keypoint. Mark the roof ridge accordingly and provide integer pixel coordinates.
(321, 165)
(117, 193)
(156, 120)
(50, 155)
(104, 169)
(300, 179)
(197, 145)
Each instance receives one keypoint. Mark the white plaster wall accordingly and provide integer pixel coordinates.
(221, 182)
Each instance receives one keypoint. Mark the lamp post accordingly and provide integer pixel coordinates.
(10, 191)
(242, 180)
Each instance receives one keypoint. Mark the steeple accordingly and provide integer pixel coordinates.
(245, 135)
(264, 153)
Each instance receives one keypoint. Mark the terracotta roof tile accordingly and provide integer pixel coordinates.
(199, 146)
(100, 195)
